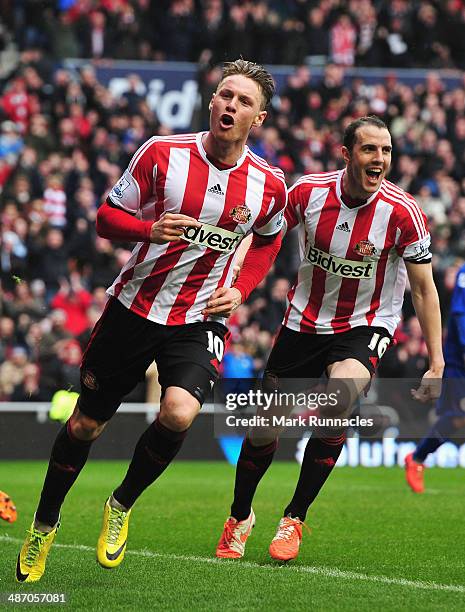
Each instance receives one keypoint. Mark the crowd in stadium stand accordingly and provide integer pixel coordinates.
(348, 32)
(64, 142)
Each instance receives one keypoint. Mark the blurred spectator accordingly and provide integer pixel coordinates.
(13, 258)
(12, 371)
(93, 315)
(293, 45)
(11, 142)
(238, 33)
(213, 29)
(25, 302)
(343, 37)
(134, 94)
(74, 301)
(237, 363)
(428, 40)
(29, 389)
(96, 36)
(317, 33)
(17, 104)
(70, 356)
(61, 35)
(180, 31)
(55, 201)
(48, 260)
(8, 337)
(237, 367)
(273, 307)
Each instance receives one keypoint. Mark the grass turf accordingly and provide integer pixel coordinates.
(366, 524)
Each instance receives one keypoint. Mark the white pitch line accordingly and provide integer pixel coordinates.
(326, 572)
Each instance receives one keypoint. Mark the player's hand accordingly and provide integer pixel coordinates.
(170, 227)
(223, 301)
(430, 387)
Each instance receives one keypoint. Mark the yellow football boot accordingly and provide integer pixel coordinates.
(33, 555)
(112, 541)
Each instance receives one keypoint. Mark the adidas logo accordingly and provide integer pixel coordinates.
(216, 189)
(344, 227)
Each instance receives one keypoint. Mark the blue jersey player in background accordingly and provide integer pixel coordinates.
(451, 405)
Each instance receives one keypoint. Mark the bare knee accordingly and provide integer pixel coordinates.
(262, 438)
(84, 427)
(178, 410)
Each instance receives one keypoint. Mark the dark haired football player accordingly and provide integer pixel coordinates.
(360, 236)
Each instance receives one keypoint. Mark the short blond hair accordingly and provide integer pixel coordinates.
(253, 71)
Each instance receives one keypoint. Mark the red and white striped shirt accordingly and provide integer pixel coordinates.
(55, 206)
(171, 283)
(352, 271)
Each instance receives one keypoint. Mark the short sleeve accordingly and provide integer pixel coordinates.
(272, 222)
(413, 238)
(136, 185)
(291, 214)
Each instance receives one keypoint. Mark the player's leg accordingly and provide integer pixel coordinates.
(346, 379)
(288, 359)
(254, 459)
(442, 431)
(257, 452)
(154, 451)
(451, 419)
(185, 384)
(158, 445)
(108, 372)
(351, 362)
(68, 457)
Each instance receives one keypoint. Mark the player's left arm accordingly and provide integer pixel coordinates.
(426, 302)
(241, 252)
(257, 260)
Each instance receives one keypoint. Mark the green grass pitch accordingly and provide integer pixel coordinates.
(374, 545)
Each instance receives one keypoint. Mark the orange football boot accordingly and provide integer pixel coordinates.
(414, 474)
(7, 508)
(234, 537)
(285, 545)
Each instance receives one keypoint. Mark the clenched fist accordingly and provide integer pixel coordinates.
(170, 227)
(223, 301)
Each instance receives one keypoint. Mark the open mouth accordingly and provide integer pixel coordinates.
(226, 121)
(373, 175)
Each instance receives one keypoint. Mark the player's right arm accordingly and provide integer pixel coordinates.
(117, 218)
(117, 224)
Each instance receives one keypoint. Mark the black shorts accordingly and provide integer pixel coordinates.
(302, 355)
(123, 345)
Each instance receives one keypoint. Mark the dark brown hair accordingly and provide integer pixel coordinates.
(350, 132)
